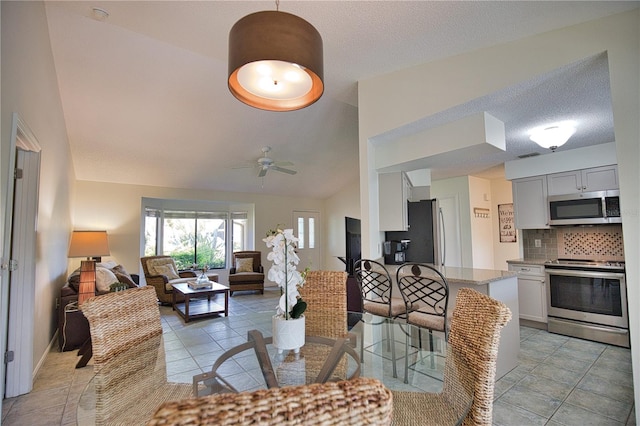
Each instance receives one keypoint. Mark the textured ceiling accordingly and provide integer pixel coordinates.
(145, 98)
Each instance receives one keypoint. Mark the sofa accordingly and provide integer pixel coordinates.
(73, 327)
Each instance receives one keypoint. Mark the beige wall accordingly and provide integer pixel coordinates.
(29, 87)
(501, 194)
(482, 235)
(389, 102)
(344, 203)
(117, 208)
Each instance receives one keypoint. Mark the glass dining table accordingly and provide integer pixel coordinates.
(130, 387)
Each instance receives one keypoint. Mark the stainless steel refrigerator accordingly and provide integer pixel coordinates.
(426, 229)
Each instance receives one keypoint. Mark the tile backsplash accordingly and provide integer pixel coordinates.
(575, 242)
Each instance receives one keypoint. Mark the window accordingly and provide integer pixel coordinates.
(198, 236)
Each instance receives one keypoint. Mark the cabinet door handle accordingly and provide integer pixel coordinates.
(525, 269)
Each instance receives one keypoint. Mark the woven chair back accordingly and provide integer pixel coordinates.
(326, 295)
(474, 337)
(121, 320)
(374, 281)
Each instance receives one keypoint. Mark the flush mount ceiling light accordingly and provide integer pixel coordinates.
(99, 14)
(275, 61)
(554, 136)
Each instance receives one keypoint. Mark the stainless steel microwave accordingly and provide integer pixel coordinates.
(585, 208)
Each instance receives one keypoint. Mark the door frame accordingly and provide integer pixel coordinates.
(318, 237)
(17, 377)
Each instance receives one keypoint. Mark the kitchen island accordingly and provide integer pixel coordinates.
(500, 285)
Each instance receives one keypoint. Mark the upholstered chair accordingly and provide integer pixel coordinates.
(246, 272)
(161, 273)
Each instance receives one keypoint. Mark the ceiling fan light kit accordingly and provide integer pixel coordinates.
(275, 61)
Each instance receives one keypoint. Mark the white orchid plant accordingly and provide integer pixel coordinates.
(284, 272)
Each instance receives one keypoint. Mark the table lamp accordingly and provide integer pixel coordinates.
(92, 245)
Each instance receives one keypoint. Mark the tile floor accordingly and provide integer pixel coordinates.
(559, 380)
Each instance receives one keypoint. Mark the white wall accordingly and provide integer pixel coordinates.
(501, 194)
(29, 87)
(337, 207)
(389, 102)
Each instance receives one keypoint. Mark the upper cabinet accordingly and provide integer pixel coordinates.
(586, 180)
(530, 202)
(394, 191)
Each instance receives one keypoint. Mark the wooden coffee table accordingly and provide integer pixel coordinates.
(197, 303)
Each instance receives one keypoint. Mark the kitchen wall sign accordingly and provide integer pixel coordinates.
(506, 224)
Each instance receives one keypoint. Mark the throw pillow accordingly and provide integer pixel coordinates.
(74, 280)
(244, 264)
(167, 270)
(153, 264)
(123, 276)
(109, 264)
(104, 279)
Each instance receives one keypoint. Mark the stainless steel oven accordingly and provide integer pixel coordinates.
(588, 299)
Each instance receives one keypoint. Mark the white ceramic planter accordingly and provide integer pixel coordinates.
(288, 334)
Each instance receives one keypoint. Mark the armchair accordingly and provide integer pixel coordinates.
(161, 273)
(246, 272)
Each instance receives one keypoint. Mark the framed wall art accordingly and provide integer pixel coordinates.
(505, 221)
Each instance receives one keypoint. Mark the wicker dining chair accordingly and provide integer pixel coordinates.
(126, 337)
(325, 293)
(426, 295)
(361, 401)
(376, 292)
(470, 368)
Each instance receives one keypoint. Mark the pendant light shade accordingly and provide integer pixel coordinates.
(275, 61)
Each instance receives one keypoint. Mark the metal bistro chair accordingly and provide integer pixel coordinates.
(426, 294)
(375, 287)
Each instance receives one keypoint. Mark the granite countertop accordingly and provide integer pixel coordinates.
(522, 261)
(466, 275)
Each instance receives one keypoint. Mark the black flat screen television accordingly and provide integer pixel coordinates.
(352, 239)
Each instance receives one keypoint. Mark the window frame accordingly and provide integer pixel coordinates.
(232, 212)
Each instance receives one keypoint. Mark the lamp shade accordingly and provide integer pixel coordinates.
(275, 61)
(89, 244)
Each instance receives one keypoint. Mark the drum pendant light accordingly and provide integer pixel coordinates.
(275, 61)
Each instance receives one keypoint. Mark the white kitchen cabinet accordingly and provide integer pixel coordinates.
(530, 202)
(532, 293)
(394, 191)
(585, 180)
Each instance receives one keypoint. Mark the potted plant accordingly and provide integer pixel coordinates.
(288, 322)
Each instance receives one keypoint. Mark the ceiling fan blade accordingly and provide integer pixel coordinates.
(262, 172)
(283, 163)
(287, 171)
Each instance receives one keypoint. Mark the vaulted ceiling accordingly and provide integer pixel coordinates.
(146, 102)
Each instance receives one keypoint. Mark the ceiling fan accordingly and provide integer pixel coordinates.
(265, 163)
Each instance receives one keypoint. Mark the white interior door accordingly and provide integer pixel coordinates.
(306, 226)
(18, 262)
